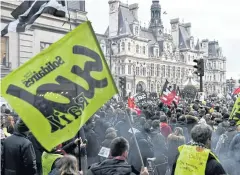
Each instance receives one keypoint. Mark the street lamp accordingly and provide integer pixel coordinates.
(133, 68)
(113, 50)
(231, 84)
(148, 78)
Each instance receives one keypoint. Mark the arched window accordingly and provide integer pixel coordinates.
(144, 71)
(123, 69)
(123, 46)
(173, 72)
(158, 88)
(152, 88)
(163, 71)
(152, 69)
(144, 50)
(182, 72)
(119, 48)
(137, 48)
(129, 69)
(168, 71)
(137, 70)
(182, 58)
(178, 72)
(156, 52)
(158, 70)
(141, 71)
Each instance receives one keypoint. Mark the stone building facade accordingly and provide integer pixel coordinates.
(149, 56)
(146, 56)
(215, 68)
(17, 48)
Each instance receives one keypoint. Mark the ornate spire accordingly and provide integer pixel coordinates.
(155, 14)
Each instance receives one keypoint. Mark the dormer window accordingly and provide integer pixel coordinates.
(123, 46)
(136, 30)
(157, 53)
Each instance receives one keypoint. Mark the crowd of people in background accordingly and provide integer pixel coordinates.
(166, 136)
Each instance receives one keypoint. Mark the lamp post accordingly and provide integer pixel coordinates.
(133, 68)
(231, 84)
(148, 79)
(112, 51)
(134, 78)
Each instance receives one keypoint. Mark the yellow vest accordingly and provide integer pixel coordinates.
(47, 161)
(192, 160)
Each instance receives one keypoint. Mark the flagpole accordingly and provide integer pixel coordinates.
(135, 139)
(82, 163)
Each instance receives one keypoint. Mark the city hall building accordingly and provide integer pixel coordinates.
(146, 56)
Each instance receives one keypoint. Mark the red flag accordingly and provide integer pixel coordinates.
(167, 96)
(131, 103)
(236, 91)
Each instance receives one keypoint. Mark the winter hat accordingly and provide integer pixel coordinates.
(21, 126)
(109, 130)
(217, 121)
(226, 116)
(202, 121)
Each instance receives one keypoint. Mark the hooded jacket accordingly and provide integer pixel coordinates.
(18, 156)
(173, 142)
(146, 149)
(108, 139)
(112, 167)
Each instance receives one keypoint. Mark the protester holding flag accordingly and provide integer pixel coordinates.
(117, 162)
(67, 86)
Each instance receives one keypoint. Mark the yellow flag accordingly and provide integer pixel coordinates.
(235, 114)
(58, 90)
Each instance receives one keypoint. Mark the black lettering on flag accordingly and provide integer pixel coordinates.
(47, 107)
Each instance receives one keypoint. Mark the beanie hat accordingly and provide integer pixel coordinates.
(21, 126)
(109, 130)
(226, 116)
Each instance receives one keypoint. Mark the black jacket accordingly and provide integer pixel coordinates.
(213, 167)
(146, 149)
(18, 156)
(112, 167)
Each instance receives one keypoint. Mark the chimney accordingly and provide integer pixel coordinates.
(188, 28)
(134, 10)
(175, 31)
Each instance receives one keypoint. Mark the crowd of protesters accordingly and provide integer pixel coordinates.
(167, 136)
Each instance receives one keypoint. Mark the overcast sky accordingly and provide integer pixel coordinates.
(211, 19)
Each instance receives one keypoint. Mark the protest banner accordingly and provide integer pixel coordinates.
(59, 89)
